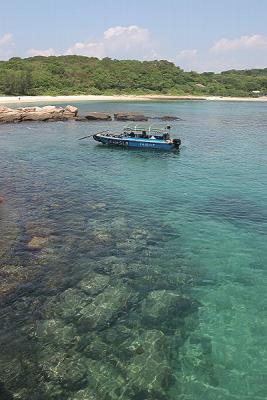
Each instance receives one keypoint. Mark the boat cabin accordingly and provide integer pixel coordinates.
(147, 131)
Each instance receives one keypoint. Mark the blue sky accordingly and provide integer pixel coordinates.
(201, 35)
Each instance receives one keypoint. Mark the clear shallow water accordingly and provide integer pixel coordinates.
(132, 224)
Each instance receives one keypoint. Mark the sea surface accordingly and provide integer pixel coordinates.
(135, 275)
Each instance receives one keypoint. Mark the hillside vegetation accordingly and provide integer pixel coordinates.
(69, 75)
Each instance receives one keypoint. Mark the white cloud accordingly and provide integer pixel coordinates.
(6, 46)
(118, 42)
(6, 39)
(244, 52)
(45, 53)
(241, 43)
(187, 54)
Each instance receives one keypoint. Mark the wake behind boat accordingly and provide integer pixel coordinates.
(153, 136)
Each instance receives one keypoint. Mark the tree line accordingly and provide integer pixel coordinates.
(70, 75)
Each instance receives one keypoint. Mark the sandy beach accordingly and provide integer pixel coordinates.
(53, 99)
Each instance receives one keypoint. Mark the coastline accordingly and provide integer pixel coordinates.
(77, 98)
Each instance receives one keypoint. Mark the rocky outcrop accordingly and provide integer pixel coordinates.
(98, 116)
(46, 113)
(130, 116)
(10, 115)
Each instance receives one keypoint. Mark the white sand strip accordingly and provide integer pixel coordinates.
(68, 99)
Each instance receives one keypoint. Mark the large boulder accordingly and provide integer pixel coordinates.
(98, 116)
(71, 109)
(46, 113)
(37, 116)
(10, 115)
(70, 112)
(130, 116)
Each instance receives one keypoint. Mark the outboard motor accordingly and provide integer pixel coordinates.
(177, 143)
(96, 137)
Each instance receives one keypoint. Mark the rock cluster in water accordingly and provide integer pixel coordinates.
(53, 113)
(46, 113)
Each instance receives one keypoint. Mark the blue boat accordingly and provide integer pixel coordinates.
(142, 136)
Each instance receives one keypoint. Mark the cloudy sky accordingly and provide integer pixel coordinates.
(201, 35)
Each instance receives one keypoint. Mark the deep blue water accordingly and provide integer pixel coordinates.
(192, 223)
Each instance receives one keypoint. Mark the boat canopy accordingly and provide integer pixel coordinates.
(148, 128)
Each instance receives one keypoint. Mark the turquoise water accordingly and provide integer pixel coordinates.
(150, 278)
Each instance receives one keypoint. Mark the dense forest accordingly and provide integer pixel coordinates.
(68, 75)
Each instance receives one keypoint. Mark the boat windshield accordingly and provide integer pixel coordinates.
(147, 130)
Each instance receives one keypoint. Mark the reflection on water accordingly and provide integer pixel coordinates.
(134, 275)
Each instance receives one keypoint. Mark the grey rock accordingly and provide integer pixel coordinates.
(130, 116)
(169, 118)
(98, 116)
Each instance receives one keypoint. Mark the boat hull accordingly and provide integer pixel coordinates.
(136, 143)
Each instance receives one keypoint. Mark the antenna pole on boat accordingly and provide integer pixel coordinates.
(84, 137)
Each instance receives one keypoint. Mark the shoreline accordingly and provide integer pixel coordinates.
(77, 98)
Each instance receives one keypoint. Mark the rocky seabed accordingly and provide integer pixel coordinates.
(93, 317)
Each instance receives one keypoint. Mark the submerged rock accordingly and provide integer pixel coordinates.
(84, 394)
(107, 307)
(13, 276)
(169, 118)
(111, 266)
(106, 380)
(67, 370)
(37, 243)
(69, 305)
(40, 228)
(149, 375)
(94, 283)
(2, 199)
(147, 280)
(57, 333)
(165, 309)
(98, 206)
